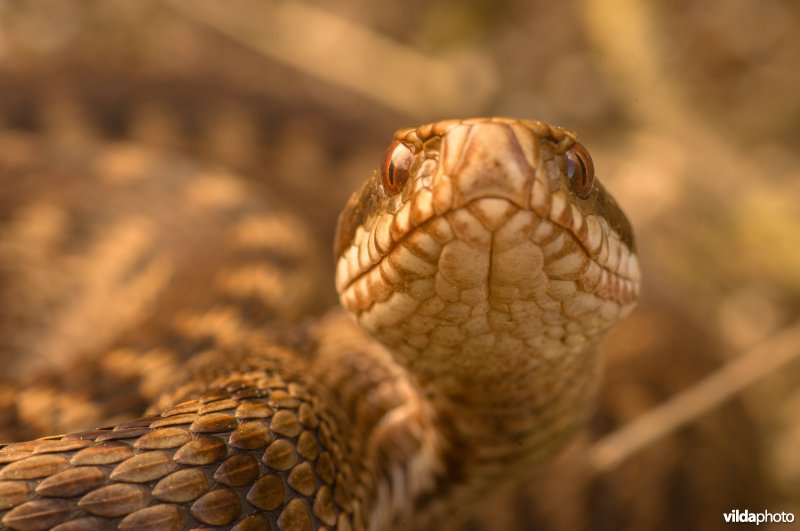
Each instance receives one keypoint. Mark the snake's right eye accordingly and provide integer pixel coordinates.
(396, 167)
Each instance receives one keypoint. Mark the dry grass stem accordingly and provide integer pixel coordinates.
(753, 365)
(355, 57)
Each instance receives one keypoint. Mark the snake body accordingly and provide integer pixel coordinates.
(481, 264)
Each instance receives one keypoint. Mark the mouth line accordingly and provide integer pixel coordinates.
(528, 208)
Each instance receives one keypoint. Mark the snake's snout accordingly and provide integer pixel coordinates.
(488, 160)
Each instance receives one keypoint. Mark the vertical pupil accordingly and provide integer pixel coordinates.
(391, 172)
(584, 173)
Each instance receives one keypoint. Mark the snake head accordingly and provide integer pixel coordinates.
(486, 239)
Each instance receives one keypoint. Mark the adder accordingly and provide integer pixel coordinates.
(477, 268)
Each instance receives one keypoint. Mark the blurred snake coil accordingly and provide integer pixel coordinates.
(477, 268)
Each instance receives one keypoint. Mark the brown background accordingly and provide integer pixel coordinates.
(690, 109)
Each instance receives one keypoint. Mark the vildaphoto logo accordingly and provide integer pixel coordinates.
(748, 517)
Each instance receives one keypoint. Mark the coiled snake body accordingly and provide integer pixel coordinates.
(480, 265)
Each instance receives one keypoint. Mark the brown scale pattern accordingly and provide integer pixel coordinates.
(251, 450)
(102, 307)
(267, 456)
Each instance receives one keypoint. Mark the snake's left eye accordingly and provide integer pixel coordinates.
(580, 170)
(396, 167)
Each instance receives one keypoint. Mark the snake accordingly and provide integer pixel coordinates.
(478, 268)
